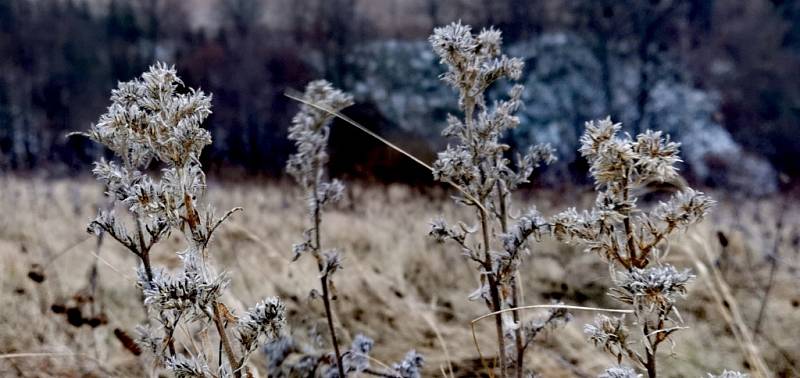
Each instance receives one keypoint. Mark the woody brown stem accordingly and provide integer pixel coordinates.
(226, 343)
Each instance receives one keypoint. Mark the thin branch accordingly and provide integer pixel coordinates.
(223, 336)
(219, 222)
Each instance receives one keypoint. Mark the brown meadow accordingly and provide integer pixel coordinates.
(399, 286)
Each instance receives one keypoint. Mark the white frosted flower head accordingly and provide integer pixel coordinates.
(619, 162)
(331, 262)
(652, 288)
(683, 209)
(265, 320)
(608, 333)
(542, 153)
(620, 372)
(453, 43)
(473, 62)
(357, 358)
(323, 94)
(613, 162)
(597, 133)
(330, 192)
(530, 224)
(489, 42)
(440, 230)
(149, 118)
(310, 130)
(455, 164)
(186, 291)
(410, 366)
(729, 374)
(657, 156)
(570, 225)
(188, 367)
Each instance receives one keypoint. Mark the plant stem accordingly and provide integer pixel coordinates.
(631, 243)
(193, 220)
(329, 315)
(651, 364)
(495, 294)
(226, 343)
(515, 295)
(144, 250)
(324, 282)
(773, 259)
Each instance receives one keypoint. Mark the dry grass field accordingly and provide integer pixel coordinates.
(399, 286)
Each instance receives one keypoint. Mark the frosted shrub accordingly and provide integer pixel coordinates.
(633, 240)
(476, 163)
(155, 118)
(310, 131)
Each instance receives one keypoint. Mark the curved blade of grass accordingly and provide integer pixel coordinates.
(391, 145)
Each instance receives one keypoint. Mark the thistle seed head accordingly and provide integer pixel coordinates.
(188, 367)
(357, 359)
(608, 333)
(650, 288)
(310, 130)
(148, 118)
(265, 320)
(410, 366)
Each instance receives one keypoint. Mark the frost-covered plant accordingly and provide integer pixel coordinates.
(631, 239)
(354, 360)
(310, 131)
(729, 374)
(156, 118)
(477, 164)
(619, 372)
(410, 366)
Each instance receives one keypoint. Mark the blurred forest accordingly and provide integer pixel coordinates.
(721, 76)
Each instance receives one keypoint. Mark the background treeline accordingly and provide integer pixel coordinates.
(720, 75)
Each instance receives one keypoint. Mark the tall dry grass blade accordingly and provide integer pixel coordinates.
(730, 312)
(360, 127)
(391, 145)
(435, 329)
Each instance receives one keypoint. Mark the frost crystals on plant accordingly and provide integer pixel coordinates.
(156, 117)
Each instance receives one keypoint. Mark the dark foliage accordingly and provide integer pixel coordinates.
(61, 57)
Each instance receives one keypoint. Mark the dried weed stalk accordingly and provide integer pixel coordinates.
(156, 118)
(633, 240)
(478, 165)
(310, 131)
